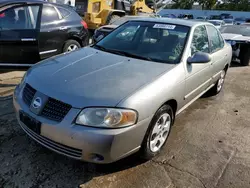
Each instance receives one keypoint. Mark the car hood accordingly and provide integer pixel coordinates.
(236, 37)
(90, 77)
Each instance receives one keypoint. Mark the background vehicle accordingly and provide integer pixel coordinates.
(239, 37)
(104, 12)
(240, 20)
(105, 30)
(169, 16)
(202, 18)
(215, 17)
(186, 16)
(27, 37)
(229, 21)
(217, 23)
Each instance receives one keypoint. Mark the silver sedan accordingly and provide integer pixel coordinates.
(121, 95)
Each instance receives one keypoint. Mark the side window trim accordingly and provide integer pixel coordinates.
(38, 21)
(58, 12)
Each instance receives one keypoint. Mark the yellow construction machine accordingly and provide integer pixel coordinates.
(103, 12)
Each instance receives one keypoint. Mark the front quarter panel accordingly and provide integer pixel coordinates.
(148, 99)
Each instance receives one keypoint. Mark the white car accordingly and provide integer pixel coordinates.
(217, 23)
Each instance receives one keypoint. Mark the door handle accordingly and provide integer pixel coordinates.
(63, 28)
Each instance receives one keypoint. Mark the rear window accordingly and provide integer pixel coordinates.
(63, 12)
(49, 14)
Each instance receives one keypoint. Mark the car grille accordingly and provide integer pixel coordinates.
(28, 94)
(54, 109)
(60, 148)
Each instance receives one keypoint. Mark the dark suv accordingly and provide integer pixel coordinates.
(34, 30)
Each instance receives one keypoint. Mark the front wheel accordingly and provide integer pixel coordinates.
(158, 132)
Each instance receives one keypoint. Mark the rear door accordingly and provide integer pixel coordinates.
(219, 57)
(18, 34)
(53, 32)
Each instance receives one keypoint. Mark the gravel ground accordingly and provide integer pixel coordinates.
(208, 147)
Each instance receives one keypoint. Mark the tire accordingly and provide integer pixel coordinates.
(216, 89)
(73, 44)
(245, 58)
(147, 149)
(113, 18)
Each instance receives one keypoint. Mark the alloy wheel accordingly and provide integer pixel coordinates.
(160, 132)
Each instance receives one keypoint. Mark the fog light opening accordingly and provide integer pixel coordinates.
(97, 157)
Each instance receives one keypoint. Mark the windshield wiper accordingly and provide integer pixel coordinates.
(127, 54)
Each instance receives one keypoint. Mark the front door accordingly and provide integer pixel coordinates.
(52, 33)
(18, 35)
(198, 76)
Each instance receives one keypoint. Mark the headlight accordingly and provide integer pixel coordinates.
(107, 117)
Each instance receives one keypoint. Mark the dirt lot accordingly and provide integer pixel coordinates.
(208, 147)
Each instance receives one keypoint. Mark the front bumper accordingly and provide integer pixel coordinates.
(90, 144)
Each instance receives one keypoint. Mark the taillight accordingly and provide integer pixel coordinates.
(84, 24)
(2, 15)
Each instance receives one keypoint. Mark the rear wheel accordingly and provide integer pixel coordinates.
(158, 132)
(71, 45)
(218, 86)
(113, 18)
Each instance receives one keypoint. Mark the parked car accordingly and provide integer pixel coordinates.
(106, 29)
(121, 95)
(215, 17)
(229, 21)
(169, 16)
(239, 37)
(202, 18)
(217, 23)
(26, 36)
(240, 20)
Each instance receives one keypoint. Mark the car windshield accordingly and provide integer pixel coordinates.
(158, 42)
(216, 23)
(241, 30)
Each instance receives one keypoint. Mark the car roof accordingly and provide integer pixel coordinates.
(174, 21)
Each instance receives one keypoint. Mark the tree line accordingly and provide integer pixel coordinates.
(233, 5)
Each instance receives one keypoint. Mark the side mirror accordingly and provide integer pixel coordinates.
(199, 57)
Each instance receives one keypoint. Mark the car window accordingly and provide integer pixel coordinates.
(214, 38)
(19, 17)
(200, 40)
(63, 12)
(49, 14)
(147, 40)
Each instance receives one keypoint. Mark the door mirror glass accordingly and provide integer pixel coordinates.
(199, 57)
